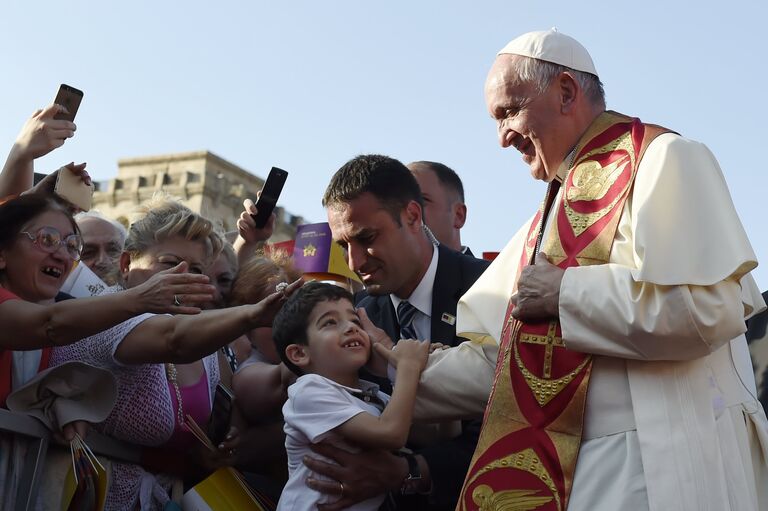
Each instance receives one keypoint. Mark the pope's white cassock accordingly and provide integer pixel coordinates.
(671, 421)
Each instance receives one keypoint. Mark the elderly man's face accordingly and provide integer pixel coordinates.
(527, 120)
(102, 246)
(385, 255)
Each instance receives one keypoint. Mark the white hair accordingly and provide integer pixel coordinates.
(120, 228)
(541, 73)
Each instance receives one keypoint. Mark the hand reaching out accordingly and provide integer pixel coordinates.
(173, 291)
(246, 226)
(377, 363)
(41, 134)
(264, 312)
(406, 353)
(48, 183)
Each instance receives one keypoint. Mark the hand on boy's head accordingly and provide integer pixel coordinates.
(406, 352)
(263, 313)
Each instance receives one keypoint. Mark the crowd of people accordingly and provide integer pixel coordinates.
(598, 363)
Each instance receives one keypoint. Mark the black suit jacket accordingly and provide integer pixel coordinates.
(455, 274)
(449, 460)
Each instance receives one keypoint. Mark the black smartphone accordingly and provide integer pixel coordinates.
(69, 98)
(218, 424)
(270, 192)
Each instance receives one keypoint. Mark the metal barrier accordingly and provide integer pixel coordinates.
(24, 425)
(39, 435)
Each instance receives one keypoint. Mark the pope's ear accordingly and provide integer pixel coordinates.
(297, 354)
(2, 259)
(569, 89)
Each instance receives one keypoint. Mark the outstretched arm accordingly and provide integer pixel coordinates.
(185, 339)
(249, 237)
(27, 326)
(390, 430)
(40, 135)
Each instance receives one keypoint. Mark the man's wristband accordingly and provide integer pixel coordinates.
(413, 479)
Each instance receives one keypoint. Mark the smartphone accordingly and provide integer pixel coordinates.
(70, 187)
(270, 192)
(218, 424)
(69, 98)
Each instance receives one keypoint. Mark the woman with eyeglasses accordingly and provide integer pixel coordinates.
(39, 244)
(165, 366)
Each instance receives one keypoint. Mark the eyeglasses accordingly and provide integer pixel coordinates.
(49, 239)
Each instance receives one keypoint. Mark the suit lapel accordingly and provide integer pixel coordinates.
(445, 295)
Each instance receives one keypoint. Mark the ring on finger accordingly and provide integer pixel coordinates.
(176, 300)
(341, 490)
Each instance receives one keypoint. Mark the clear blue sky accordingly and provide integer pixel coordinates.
(308, 85)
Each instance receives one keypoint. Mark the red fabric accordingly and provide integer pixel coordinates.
(6, 358)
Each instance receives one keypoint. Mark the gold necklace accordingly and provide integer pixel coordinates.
(170, 371)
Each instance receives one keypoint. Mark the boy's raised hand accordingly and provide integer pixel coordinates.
(407, 352)
(377, 364)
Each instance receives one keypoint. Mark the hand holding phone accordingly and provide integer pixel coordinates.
(270, 192)
(218, 425)
(71, 187)
(70, 98)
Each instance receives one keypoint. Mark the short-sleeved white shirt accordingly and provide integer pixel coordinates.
(315, 406)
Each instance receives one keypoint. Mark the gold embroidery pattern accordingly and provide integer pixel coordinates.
(591, 181)
(589, 176)
(545, 389)
(507, 500)
(549, 341)
(526, 460)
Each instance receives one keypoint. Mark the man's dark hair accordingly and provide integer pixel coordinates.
(445, 174)
(385, 178)
(291, 322)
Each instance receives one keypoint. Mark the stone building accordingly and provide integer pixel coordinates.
(205, 182)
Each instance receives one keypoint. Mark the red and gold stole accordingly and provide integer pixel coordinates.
(526, 455)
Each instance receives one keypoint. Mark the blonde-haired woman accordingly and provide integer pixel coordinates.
(165, 365)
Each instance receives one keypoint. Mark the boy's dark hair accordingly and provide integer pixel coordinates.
(291, 323)
(385, 178)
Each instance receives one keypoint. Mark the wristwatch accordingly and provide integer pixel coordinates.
(413, 479)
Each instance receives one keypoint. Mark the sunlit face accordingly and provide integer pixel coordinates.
(337, 344)
(439, 204)
(527, 120)
(383, 253)
(222, 276)
(102, 246)
(162, 256)
(32, 273)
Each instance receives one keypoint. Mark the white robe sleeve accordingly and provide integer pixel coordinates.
(457, 382)
(677, 286)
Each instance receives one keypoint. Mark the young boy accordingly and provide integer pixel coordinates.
(320, 337)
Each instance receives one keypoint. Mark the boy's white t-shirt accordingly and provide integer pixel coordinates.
(315, 406)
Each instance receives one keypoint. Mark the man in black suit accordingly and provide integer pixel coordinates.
(445, 211)
(374, 208)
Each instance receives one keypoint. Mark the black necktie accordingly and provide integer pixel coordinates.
(405, 315)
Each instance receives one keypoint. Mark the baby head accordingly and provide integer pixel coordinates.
(318, 331)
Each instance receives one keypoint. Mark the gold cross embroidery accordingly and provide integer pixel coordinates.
(549, 341)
